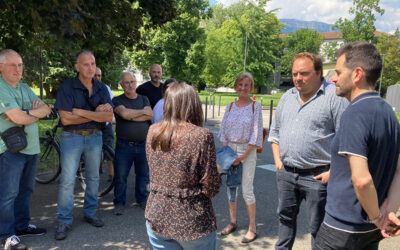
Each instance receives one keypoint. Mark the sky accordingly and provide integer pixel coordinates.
(328, 11)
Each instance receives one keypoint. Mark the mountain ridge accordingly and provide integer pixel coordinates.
(294, 24)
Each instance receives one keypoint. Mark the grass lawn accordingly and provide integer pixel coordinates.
(230, 97)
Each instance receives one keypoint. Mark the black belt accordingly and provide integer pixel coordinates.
(84, 132)
(132, 143)
(307, 170)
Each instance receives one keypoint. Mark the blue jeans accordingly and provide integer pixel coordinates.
(331, 238)
(208, 242)
(292, 189)
(72, 147)
(127, 153)
(17, 181)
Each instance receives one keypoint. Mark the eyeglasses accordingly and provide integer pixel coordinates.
(97, 75)
(130, 82)
(15, 66)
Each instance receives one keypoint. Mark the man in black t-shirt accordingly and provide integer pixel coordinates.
(152, 88)
(132, 115)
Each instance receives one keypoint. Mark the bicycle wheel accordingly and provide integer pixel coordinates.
(106, 182)
(49, 166)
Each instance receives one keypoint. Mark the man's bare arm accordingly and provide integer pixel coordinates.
(134, 114)
(364, 186)
(67, 118)
(39, 109)
(97, 116)
(391, 205)
(20, 117)
(277, 156)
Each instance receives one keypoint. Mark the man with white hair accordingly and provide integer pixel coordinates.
(19, 107)
(132, 115)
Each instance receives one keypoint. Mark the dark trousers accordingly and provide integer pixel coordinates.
(292, 189)
(17, 181)
(331, 238)
(125, 154)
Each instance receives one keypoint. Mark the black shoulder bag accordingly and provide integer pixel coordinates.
(15, 139)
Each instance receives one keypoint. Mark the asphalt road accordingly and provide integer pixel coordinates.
(128, 231)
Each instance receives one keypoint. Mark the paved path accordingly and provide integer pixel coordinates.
(128, 231)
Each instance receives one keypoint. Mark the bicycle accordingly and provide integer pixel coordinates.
(49, 164)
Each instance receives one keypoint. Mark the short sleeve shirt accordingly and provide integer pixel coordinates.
(368, 129)
(153, 93)
(132, 131)
(20, 97)
(73, 94)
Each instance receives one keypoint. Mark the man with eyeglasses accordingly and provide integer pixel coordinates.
(83, 104)
(306, 120)
(153, 88)
(132, 115)
(108, 133)
(19, 106)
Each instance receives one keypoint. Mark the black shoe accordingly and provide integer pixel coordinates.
(13, 243)
(94, 221)
(31, 230)
(119, 210)
(142, 205)
(62, 231)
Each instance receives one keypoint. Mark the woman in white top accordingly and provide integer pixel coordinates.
(158, 109)
(242, 129)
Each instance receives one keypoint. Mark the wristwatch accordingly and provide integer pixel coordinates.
(376, 219)
(26, 110)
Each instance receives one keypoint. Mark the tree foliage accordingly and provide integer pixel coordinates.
(389, 47)
(226, 42)
(329, 50)
(53, 31)
(362, 26)
(178, 46)
(303, 40)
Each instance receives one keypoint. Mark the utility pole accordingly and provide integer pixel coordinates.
(245, 47)
(380, 82)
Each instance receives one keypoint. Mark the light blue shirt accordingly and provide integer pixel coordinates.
(305, 132)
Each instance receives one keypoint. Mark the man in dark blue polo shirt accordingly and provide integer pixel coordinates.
(83, 104)
(364, 184)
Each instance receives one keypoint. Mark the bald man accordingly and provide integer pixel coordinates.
(152, 89)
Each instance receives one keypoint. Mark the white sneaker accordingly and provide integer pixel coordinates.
(13, 242)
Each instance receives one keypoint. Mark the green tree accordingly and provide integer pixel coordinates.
(397, 33)
(226, 44)
(362, 26)
(53, 31)
(329, 50)
(303, 40)
(389, 47)
(178, 45)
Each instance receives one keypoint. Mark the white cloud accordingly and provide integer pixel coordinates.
(329, 11)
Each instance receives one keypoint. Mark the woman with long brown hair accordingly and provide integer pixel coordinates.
(183, 175)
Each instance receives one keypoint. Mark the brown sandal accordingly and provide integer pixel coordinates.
(247, 240)
(231, 230)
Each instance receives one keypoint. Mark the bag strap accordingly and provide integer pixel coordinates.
(230, 107)
(254, 102)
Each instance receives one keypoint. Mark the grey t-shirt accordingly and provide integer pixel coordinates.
(127, 130)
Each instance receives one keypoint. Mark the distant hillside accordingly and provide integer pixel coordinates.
(293, 24)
